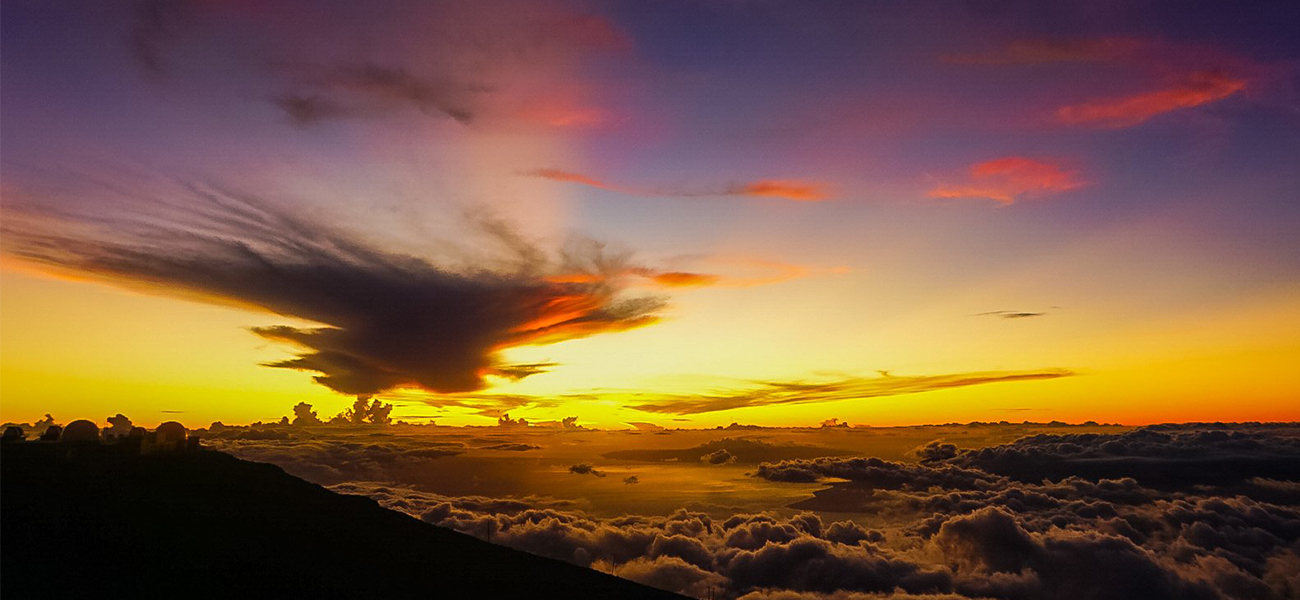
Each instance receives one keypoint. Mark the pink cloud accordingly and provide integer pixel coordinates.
(800, 191)
(1043, 51)
(787, 189)
(1010, 179)
(1196, 89)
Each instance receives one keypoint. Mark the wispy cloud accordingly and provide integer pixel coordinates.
(1193, 75)
(790, 189)
(373, 89)
(717, 271)
(385, 320)
(1010, 179)
(770, 393)
(505, 62)
(1011, 314)
(1194, 89)
(680, 279)
(1048, 50)
(787, 189)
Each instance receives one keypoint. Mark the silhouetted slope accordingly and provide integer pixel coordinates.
(205, 524)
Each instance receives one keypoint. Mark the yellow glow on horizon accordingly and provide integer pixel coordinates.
(85, 350)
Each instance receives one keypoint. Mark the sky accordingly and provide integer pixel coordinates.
(679, 213)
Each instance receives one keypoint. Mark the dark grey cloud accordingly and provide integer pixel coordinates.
(119, 426)
(585, 469)
(305, 109)
(157, 25)
(387, 320)
(685, 551)
(1065, 565)
(1165, 456)
(813, 564)
(879, 474)
(1012, 314)
(512, 447)
(718, 457)
(741, 450)
(668, 573)
(456, 60)
(331, 460)
(303, 415)
(370, 89)
(768, 393)
(935, 451)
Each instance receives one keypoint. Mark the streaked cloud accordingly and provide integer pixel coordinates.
(382, 320)
(713, 271)
(771, 393)
(570, 177)
(1012, 314)
(373, 89)
(1011, 179)
(680, 279)
(786, 189)
(1049, 50)
(1195, 89)
(507, 62)
(1193, 75)
(790, 189)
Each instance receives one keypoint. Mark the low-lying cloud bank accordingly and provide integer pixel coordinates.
(1168, 456)
(947, 528)
(330, 461)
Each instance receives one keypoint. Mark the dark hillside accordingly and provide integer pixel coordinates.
(205, 524)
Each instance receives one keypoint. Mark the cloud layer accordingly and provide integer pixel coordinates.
(948, 533)
(953, 526)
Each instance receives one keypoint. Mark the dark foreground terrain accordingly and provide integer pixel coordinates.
(205, 524)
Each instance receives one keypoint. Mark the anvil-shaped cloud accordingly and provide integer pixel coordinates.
(386, 320)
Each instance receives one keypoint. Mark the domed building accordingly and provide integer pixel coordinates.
(170, 433)
(13, 433)
(51, 433)
(80, 431)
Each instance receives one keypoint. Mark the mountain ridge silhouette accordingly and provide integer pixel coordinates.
(91, 522)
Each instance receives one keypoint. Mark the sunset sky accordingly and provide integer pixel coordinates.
(680, 213)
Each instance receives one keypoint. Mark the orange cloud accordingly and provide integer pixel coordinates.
(726, 271)
(799, 191)
(1199, 88)
(568, 177)
(683, 279)
(568, 117)
(1012, 178)
(579, 278)
(738, 271)
(1043, 51)
(788, 189)
(668, 279)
